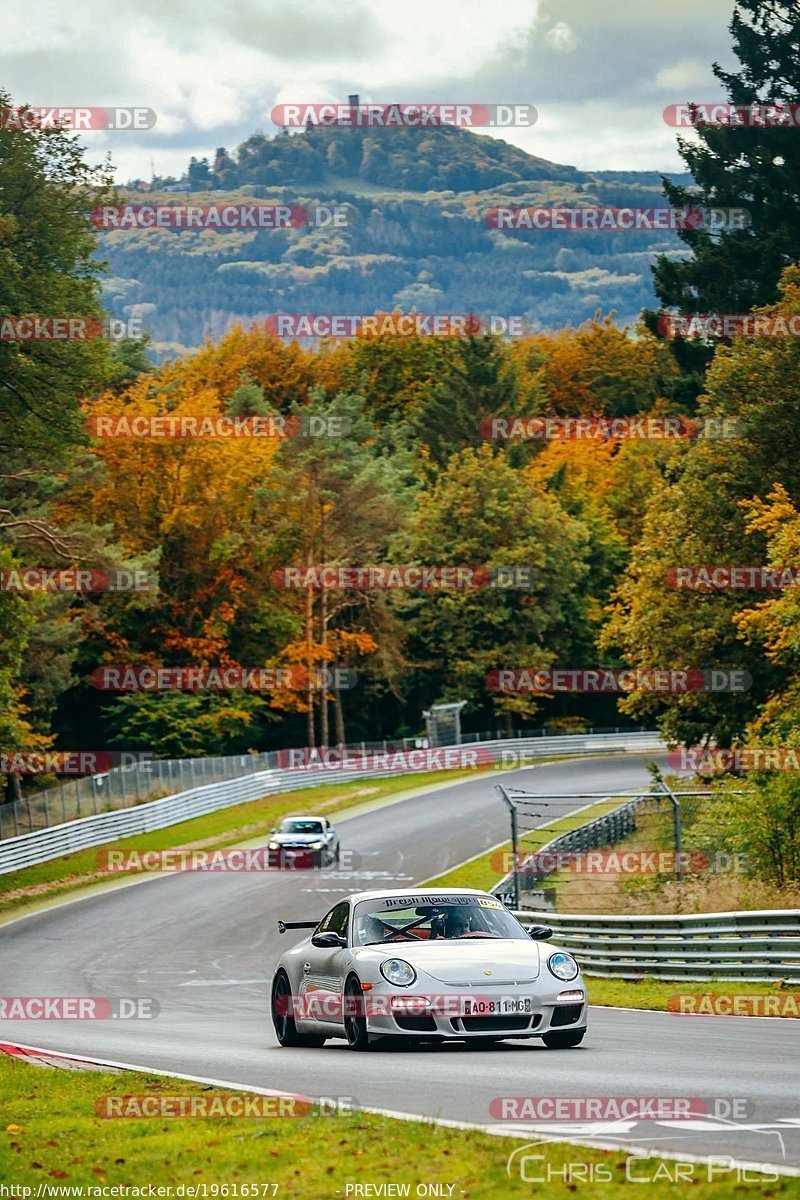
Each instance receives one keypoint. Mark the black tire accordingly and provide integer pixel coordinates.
(355, 1023)
(282, 1019)
(563, 1039)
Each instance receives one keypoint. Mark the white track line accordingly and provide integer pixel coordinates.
(444, 1122)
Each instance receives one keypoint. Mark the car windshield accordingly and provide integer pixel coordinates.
(294, 826)
(408, 919)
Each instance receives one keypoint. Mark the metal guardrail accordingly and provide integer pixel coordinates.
(45, 844)
(762, 945)
(152, 778)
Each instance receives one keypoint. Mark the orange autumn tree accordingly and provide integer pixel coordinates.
(196, 504)
(317, 668)
(617, 476)
(597, 368)
(283, 370)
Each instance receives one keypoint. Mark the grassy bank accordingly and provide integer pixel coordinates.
(703, 888)
(660, 993)
(51, 1136)
(485, 870)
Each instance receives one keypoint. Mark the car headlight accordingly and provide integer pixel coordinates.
(398, 972)
(316, 845)
(563, 966)
(274, 846)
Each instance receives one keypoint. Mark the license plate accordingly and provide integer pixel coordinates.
(493, 1008)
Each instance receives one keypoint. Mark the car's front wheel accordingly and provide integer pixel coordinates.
(563, 1040)
(282, 1018)
(355, 1022)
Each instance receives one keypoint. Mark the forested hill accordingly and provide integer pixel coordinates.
(418, 237)
(436, 159)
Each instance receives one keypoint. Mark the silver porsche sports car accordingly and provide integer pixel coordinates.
(429, 965)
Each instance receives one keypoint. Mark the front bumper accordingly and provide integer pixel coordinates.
(296, 858)
(449, 1017)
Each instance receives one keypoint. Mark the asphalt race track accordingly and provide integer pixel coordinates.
(204, 946)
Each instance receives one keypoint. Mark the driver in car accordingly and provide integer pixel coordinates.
(457, 924)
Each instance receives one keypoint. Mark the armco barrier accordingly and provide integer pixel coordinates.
(142, 778)
(45, 844)
(762, 945)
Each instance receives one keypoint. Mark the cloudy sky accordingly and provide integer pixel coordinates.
(599, 74)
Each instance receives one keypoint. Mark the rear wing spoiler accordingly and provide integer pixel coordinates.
(284, 925)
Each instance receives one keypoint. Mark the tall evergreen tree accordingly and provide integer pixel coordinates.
(741, 166)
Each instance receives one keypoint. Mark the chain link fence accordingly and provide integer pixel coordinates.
(152, 778)
(146, 779)
(531, 868)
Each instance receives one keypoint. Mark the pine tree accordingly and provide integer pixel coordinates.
(755, 168)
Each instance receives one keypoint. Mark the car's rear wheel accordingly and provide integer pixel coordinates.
(282, 1018)
(355, 1023)
(564, 1039)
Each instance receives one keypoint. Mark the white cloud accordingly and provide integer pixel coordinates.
(214, 73)
(561, 37)
(689, 76)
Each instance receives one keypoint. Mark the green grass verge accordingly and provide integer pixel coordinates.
(656, 993)
(482, 872)
(50, 1135)
(225, 827)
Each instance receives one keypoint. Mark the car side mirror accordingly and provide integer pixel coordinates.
(540, 933)
(328, 940)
